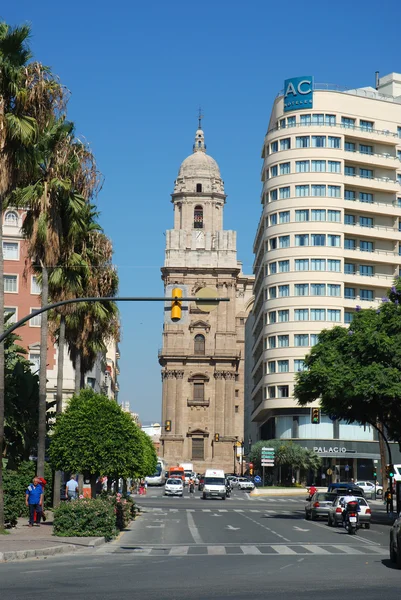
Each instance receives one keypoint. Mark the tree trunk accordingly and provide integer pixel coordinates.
(59, 401)
(40, 469)
(109, 484)
(78, 372)
(93, 479)
(1, 369)
(383, 458)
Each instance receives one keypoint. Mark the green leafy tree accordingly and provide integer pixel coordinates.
(287, 453)
(95, 436)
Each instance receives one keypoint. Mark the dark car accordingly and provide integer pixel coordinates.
(395, 542)
(342, 488)
(201, 483)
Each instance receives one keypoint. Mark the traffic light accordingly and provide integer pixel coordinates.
(250, 468)
(315, 416)
(216, 437)
(375, 474)
(390, 471)
(176, 305)
(167, 425)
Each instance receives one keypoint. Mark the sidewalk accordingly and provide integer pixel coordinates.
(30, 542)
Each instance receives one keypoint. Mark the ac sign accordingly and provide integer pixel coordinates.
(298, 93)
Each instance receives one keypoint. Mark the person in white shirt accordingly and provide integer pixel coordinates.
(71, 488)
(348, 498)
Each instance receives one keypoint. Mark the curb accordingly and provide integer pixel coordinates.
(45, 552)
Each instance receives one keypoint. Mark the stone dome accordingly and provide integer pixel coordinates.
(199, 164)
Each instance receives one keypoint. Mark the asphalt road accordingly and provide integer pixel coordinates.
(241, 548)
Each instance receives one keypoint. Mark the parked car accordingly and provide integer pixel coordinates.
(335, 514)
(318, 506)
(174, 487)
(243, 483)
(395, 543)
(368, 488)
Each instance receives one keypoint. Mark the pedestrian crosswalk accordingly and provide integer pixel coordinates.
(246, 498)
(163, 509)
(260, 550)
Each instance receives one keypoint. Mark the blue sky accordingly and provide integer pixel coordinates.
(139, 71)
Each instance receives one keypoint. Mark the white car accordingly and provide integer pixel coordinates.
(174, 487)
(335, 515)
(368, 487)
(245, 484)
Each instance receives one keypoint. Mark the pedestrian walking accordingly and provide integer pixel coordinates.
(191, 485)
(34, 501)
(99, 486)
(387, 497)
(71, 488)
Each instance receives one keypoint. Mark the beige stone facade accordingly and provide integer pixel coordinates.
(202, 357)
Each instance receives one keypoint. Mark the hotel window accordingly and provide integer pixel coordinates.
(273, 268)
(363, 197)
(318, 141)
(318, 264)
(285, 144)
(273, 293)
(366, 221)
(334, 265)
(303, 141)
(35, 286)
(273, 243)
(349, 219)
(284, 241)
(366, 294)
(314, 339)
(284, 216)
(302, 239)
(10, 250)
(12, 313)
(366, 270)
(349, 268)
(330, 120)
(283, 366)
(366, 125)
(349, 195)
(318, 119)
(282, 123)
(272, 366)
(317, 314)
(301, 339)
(318, 214)
(291, 121)
(273, 171)
(272, 342)
(273, 195)
(274, 147)
(399, 202)
(272, 317)
(301, 289)
(333, 142)
(302, 166)
(366, 246)
(305, 120)
(333, 289)
(350, 146)
(347, 122)
(317, 289)
(301, 215)
(301, 314)
(318, 239)
(363, 149)
(334, 216)
(283, 316)
(283, 291)
(35, 321)
(34, 359)
(283, 266)
(349, 244)
(318, 166)
(284, 192)
(285, 168)
(301, 190)
(399, 132)
(334, 166)
(271, 390)
(348, 316)
(333, 240)
(299, 365)
(318, 190)
(283, 341)
(350, 293)
(350, 171)
(366, 173)
(283, 391)
(273, 219)
(10, 283)
(333, 191)
(333, 315)
(302, 264)
(11, 218)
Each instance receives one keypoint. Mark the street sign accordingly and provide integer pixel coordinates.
(257, 479)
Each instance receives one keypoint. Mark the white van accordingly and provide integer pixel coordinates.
(215, 484)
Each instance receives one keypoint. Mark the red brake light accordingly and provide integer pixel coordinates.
(316, 504)
(368, 511)
(338, 510)
(352, 514)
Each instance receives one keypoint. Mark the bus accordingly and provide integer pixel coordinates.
(159, 476)
(177, 472)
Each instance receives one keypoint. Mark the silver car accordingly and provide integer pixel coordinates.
(335, 516)
(318, 505)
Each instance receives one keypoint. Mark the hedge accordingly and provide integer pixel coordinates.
(86, 517)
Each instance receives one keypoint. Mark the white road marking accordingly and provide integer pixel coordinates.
(347, 549)
(216, 550)
(179, 551)
(193, 529)
(36, 571)
(379, 549)
(222, 510)
(267, 528)
(155, 526)
(316, 549)
(231, 528)
(190, 510)
(300, 529)
(215, 515)
(254, 510)
(206, 510)
(250, 550)
(283, 550)
(238, 510)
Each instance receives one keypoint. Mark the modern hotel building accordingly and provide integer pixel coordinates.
(328, 241)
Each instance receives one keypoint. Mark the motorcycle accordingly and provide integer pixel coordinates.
(351, 520)
(228, 490)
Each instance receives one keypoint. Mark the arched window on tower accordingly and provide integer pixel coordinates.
(198, 217)
(199, 344)
(198, 188)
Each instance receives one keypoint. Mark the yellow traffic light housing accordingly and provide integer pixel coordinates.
(216, 437)
(176, 305)
(167, 426)
(315, 416)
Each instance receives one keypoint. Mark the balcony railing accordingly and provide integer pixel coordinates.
(190, 352)
(198, 402)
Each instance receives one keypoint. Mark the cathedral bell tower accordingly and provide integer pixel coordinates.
(203, 354)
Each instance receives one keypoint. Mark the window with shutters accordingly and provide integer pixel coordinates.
(198, 217)
(198, 449)
(199, 392)
(199, 344)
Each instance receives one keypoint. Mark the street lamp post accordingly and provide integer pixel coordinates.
(242, 457)
(234, 451)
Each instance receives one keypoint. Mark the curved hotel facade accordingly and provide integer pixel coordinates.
(328, 241)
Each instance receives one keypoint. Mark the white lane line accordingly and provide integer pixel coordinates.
(173, 509)
(179, 551)
(87, 568)
(247, 496)
(223, 510)
(267, 528)
(36, 571)
(250, 550)
(347, 549)
(206, 510)
(238, 510)
(254, 510)
(190, 510)
(193, 529)
(378, 549)
(216, 550)
(316, 549)
(283, 550)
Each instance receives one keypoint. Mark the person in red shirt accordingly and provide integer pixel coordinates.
(312, 490)
(43, 483)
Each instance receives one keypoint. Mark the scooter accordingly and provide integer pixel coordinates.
(351, 521)
(228, 490)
